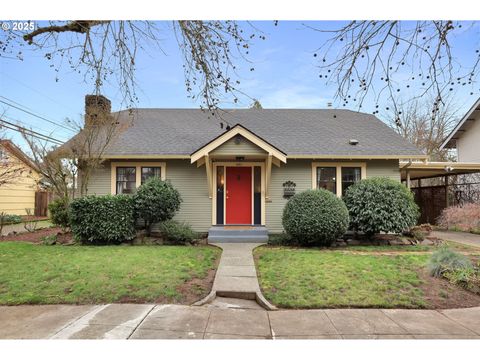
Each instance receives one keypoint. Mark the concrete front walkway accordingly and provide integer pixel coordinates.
(458, 236)
(236, 276)
(231, 319)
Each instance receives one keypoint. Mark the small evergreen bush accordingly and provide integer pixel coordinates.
(12, 219)
(177, 233)
(280, 239)
(59, 213)
(381, 205)
(156, 201)
(315, 218)
(49, 239)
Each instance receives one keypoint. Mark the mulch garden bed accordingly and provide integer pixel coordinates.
(37, 235)
(441, 294)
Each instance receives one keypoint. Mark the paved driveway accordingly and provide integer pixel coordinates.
(231, 319)
(458, 236)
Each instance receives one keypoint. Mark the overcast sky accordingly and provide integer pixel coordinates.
(286, 76)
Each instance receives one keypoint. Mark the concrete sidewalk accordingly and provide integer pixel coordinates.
(236, 276)
(231, 319)
(458, 236)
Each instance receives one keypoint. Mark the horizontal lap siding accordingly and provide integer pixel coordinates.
(383, 168)
(18, 196)
(190, 181)
(298, 171)
(99, 183)
(196, 208)
(245, 147)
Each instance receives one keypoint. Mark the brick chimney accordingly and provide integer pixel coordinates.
(97, 109)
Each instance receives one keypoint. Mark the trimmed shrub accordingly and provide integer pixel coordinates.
(446, 260)
(315, 217)
(59, 213)
(177, 233)
(156, 201)
(105, 219)
(280, 239)
(12, 219)
(49, 239)
(464, 218)
(381, 204)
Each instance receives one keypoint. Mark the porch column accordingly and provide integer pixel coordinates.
(268, 175)
(446, 190)
(409, 183)
(208, 168)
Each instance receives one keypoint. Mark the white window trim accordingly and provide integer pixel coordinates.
(138, 173)
(338, 173)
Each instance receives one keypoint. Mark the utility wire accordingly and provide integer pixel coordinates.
(33, 114)
(29, 126)
(26, 132)
(35, 134)
(37, 91)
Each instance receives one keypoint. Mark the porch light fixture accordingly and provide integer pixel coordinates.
(240, 158)
(353, 141)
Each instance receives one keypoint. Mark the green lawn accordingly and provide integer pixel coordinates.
(316, 278)
(38, 274)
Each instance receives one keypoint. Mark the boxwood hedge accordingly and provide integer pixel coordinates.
(105, 219)
(315, 217)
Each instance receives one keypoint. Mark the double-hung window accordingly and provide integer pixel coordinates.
(150, 172)
(126, 180)
(128, 176)
(327, 178)
(350, 175)
(337, 177)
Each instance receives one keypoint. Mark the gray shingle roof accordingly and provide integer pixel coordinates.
(294, 131)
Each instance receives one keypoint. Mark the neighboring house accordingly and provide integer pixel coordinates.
(18, 180)
(457, 181)
(244, 172)
(465, 137)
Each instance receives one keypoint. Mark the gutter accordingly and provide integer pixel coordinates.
(407, 164)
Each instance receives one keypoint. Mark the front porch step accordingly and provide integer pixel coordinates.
(238, 234)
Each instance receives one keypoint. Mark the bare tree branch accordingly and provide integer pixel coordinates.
(105, 50)
(422, 127)
(385, 59)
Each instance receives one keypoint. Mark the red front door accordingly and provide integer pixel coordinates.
(239, 195)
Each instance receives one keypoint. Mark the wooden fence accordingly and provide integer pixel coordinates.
(42, 199)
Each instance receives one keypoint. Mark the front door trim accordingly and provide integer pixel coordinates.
(214, 190)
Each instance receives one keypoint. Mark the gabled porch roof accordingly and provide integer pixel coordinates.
(247, 134)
